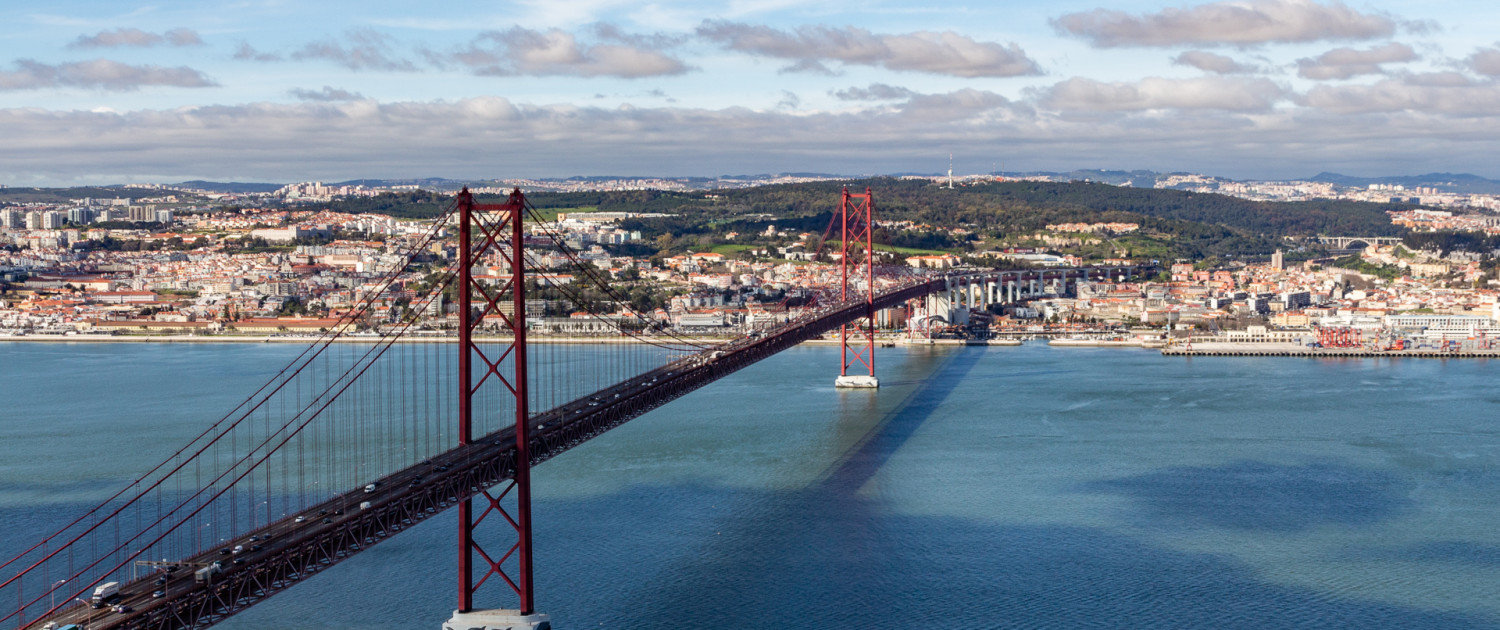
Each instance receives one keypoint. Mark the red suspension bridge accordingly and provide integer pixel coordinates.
(350, 444)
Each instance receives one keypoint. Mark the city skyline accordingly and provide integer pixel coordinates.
(98, 93)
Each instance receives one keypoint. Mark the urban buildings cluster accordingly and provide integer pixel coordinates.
(1103, 228)
(1432, 296)
(273, 263)
(1297, 190)
(1425, 220)
(288, 271)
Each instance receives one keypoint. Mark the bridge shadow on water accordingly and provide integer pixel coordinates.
(832, 556)
(876, 445)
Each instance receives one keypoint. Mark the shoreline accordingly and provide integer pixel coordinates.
(311, 340)
(1290, 349)
(883, 342)
(1326, 353)
(85, 338)
(1202, 350)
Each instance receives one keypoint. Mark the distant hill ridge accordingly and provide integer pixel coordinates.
(231, 187)
(1464, 183)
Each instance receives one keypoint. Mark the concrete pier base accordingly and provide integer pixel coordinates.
(857, 382)
(497, 619)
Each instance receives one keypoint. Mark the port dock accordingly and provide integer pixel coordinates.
(1294, 350)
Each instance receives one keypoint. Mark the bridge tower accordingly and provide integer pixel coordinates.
(494, 230)
(857, 340)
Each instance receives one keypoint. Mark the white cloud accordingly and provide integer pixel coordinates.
(1485, 61)
(1440, 121)
(101, 74)
(328, 94)
(1238, 23)
(1214, 93)
(1211, 62)
(1436, 94)
(246, 52)
(137, 38)
(965, 107)
(654, 41)
(517, 51)
(1343, 63)
(521, 51)
(366, 138)
(808, 47)
(876, 92)
(364, 49)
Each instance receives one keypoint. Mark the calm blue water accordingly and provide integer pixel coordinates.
(978, 488)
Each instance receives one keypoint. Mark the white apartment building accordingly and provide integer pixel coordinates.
(1445, 326)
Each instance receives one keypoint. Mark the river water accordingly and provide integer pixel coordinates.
(1005, 487)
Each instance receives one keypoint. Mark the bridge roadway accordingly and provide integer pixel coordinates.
(288, 551)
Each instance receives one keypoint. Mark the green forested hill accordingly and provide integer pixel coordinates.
(64, 195)
(1273, 219)
(1174, 223)
(1031, 205)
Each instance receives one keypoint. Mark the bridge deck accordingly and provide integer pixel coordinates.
(287, 551)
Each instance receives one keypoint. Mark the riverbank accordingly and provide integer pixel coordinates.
(85, 338)
(885, 342)
(1205, 349)
(1224, 349)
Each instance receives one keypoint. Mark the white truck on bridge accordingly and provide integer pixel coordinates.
(105, 592)
(206, 574)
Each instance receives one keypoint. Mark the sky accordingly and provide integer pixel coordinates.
(111, 91)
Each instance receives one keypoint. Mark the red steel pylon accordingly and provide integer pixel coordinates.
(482, 229)
(858, 246)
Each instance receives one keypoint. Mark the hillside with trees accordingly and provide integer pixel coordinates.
(1173, 224)
(10, 196)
